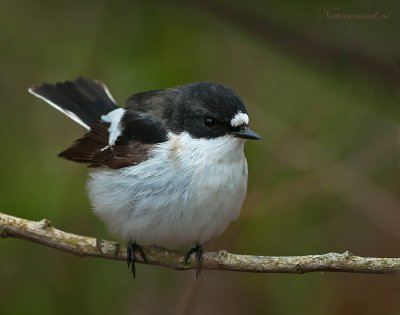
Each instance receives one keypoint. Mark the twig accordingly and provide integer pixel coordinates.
(43, 232)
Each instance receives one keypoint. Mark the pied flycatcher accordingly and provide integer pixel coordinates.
(168, 169)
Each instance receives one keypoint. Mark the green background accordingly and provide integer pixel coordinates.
(323, 94)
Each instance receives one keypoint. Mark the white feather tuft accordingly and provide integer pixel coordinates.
(114, 119)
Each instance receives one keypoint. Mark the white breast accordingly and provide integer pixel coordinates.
(188, 191)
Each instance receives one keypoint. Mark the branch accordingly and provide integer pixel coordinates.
(43, 232)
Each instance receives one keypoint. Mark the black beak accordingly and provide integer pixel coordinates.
(246, 133)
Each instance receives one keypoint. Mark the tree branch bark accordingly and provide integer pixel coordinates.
(43, 232)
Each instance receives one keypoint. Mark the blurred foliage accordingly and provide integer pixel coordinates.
(324, 178)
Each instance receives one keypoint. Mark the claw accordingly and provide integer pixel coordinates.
(198, 250)
(131, 250)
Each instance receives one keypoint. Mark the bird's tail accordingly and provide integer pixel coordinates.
(82, 100)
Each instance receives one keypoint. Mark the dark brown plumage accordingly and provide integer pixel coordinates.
(93, 149)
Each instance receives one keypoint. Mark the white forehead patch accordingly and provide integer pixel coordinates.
(240, 119)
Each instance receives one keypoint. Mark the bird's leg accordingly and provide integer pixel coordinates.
(131, 250)
(198, 249)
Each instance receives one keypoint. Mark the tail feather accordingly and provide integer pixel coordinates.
(82, 100)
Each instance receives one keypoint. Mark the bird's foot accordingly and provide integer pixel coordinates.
(198, 249)
(131, 250)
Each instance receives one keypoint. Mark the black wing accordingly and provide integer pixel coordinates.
(82, 100)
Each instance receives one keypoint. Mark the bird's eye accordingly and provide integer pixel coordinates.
(209, 122)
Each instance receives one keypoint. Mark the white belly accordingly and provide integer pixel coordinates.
(188, 194)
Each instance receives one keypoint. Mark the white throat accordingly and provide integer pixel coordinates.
(225, 149)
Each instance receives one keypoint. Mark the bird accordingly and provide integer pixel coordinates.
(168, 169)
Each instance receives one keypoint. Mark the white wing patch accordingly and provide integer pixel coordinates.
(114, 119)
(240, 119)
(62, 110)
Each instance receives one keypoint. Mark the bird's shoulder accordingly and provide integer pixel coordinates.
(154, 101)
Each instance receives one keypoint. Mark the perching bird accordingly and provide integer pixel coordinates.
(166, 170)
